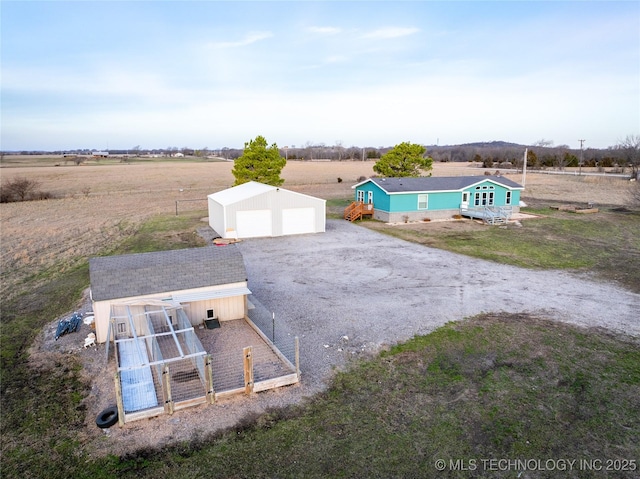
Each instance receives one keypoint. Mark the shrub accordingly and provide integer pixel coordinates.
(21, 189)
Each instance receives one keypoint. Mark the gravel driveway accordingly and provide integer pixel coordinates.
(354, 283)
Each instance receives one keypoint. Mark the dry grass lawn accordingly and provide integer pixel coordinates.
(98, 205)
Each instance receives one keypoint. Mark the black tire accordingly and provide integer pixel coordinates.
(107, 418)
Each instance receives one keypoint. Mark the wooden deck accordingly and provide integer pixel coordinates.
(491, 215)
(357, 210)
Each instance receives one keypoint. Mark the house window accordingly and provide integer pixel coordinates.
(508, 201)
(423, 202)
(484, 199)
(122, 328)
(360, 195)
(370, 197)
(210, 314)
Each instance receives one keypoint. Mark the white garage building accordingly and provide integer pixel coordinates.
(255, 210)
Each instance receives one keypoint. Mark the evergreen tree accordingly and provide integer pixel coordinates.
(259, 162)
(405, 159)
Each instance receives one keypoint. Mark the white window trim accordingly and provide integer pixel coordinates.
(508, 198)
(426, 201)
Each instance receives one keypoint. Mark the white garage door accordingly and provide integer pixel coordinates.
(254, 223)
(298, 220)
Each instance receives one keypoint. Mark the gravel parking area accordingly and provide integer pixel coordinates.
(351, 291)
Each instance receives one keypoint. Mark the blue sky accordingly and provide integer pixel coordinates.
(117, 74)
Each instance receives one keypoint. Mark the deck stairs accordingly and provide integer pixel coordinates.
(490, 215)
(357, 210)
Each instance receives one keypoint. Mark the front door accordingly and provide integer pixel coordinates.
(465, 200)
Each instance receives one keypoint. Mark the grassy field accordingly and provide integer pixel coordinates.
(489, 387)
(495, 386)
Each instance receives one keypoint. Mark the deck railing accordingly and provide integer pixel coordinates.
(357, 210)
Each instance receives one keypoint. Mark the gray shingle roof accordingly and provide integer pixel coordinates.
(437, 183)
(139, 274)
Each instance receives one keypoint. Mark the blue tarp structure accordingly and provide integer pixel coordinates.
(70, 325)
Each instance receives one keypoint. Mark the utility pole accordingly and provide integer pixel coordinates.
(581, 142)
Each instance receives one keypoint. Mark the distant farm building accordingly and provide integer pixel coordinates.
(257, 210)
(100, 154)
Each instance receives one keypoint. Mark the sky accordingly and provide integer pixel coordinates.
(214, 74)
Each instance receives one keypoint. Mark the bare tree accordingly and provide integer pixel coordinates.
(634, 193)
(339, 149)
(20, 188)
(629, 151)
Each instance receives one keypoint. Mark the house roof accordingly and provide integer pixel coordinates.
(436, 183)
(241, 192)
(246, 191)
(125, 276)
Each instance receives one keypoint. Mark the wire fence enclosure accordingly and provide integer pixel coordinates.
(164, 364)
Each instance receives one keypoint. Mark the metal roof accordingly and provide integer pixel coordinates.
(217, 294)
(437, 183)
(241, 192)
(249, 190)
(125, 276)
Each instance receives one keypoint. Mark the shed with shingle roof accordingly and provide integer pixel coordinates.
(208, 282)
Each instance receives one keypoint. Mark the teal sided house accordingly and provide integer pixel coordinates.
(394, 200)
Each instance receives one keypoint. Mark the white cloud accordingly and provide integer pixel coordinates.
(249, 38)
(391, 32)
(324, 30)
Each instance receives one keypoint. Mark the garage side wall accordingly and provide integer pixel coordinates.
(217, 219)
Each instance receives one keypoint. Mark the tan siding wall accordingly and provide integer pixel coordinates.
(101, 312)
(225, 308)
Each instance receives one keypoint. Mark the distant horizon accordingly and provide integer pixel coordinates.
(474, 144)
(206, 73)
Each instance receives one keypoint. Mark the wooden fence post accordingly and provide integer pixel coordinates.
(208, 373)
(166, 383)
(297, 346)
(248, 370)
(119, 400)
